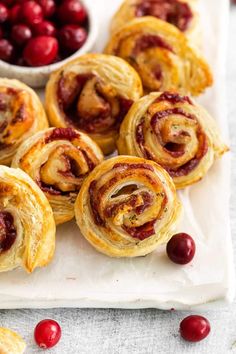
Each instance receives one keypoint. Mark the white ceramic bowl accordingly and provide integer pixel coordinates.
(37, 77)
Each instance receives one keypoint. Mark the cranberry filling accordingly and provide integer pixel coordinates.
(99, 118)
(94, 202)
(61, 133)
(150, 41)
(192, 164)
(173, 98)
(172, 11)
(175, 149)
(7, 231)
(141, 232)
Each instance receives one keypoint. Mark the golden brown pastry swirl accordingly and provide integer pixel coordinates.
(180, 13)
(162, 56)
(173, 131)
(21, 115)
(93, 93)
(58, 160)
(27, 227)
(127, 207)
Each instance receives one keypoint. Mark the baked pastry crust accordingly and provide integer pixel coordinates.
(93, 93)
(173, 131)
(22, 115)
(58, 159)
(27, 232)
(162, 55)
(127, 207)
(180, 13)
(11, 342)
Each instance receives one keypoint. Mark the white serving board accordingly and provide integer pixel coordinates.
(81, 277)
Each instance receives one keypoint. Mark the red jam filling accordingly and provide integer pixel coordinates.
(173, 98)
(192, 164)
(96, 119)
(174, 149)
(61, 133)
(141, 232)
(71, 166)
(7, 231)
(172, 11)
(94, 202)
(150, 41)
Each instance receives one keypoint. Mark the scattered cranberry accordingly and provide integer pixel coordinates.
(48, 7)
(72, 11)
(47, 334)
(20, 34)
(45, 28)
(3, 13)
(14, 14)
(194, 328)
(181, 248)
(40, 51)
(31, 13)
(72, 37)
(6, 50)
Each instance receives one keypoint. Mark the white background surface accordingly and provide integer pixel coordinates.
(145, 331)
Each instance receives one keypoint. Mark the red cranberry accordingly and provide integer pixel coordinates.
(48, 7)
(6, 50)
(181, 248)
(14, 13)
(20, 34)
(72, 37)
(31, 13)
(45, 28)
(72, 11)
(47, 334)
(194, 328)
(40, 51)
(8, 3)
(3, 13)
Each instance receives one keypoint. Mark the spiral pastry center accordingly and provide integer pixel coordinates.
(120, 201)
(7, 231)
(171, 135)
(172, 11)
(90, 103)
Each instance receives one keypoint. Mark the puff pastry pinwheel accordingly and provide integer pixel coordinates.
(173, 131)
(11, 342)
(93, 93)
(58, 159)
(27, 227)
(162, 56)
(127, 207)
(180, 13)
(21, 115)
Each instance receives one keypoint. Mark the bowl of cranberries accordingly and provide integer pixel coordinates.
(38, 36)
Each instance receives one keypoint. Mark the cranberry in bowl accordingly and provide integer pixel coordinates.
(38, 36)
